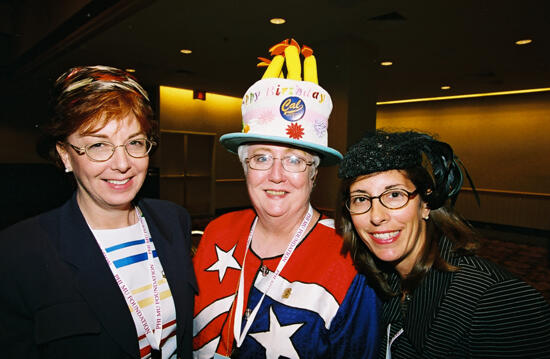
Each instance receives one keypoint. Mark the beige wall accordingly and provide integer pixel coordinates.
(219, 114)
(504, 142)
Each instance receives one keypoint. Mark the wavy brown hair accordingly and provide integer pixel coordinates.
(443, 221)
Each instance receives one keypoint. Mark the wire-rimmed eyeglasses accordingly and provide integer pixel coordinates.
(103, 151)
(291, 163)
(392, 199)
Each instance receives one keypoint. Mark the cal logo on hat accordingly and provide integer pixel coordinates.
(292, 108)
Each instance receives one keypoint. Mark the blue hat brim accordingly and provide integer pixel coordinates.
(329, 156)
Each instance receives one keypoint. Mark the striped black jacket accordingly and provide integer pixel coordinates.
(480, 311)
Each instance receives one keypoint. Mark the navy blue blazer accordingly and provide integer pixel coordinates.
(58, 297)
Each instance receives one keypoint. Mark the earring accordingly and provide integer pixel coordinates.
(427, 217)
(67, 170)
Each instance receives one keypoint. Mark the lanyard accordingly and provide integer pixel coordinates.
(153, 336)
(389, 341)
(239, 337)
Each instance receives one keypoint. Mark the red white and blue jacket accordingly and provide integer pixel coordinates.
(319, 306)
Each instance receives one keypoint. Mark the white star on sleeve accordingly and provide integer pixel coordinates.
(277, 341)
(225, 260)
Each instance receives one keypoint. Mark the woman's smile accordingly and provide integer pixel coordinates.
(385, 237)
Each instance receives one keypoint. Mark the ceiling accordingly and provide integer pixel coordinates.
(468, 45)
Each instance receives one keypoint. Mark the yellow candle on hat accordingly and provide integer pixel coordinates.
(310, 69)
(293, 66)
(274, 68)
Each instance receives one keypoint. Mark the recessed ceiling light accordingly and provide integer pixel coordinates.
(277, 20)
(524, 42)
(130, 70)
(445, 87)
(186, 51)
(386, 63)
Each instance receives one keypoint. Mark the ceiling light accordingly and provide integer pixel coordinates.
(386, 63)
(186, 51)
(446, 87)
(524, 42)
(277, 20)
(130, 70)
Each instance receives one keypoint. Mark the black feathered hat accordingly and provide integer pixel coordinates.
(383, 151)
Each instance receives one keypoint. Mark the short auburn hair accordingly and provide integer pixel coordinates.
(86, 98)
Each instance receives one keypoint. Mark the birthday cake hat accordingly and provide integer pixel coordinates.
(287, 110)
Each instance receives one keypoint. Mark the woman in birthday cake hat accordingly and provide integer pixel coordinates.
(272, 281)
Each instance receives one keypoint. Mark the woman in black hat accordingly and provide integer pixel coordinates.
(440, 299)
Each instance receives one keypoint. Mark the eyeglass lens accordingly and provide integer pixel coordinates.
(102, 151)
(290, 163)
(392, 199)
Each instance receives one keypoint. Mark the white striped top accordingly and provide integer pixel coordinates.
(126, 248)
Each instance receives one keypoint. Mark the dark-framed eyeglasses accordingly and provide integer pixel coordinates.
(392, 199)
(291, 163)
(103, 151)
